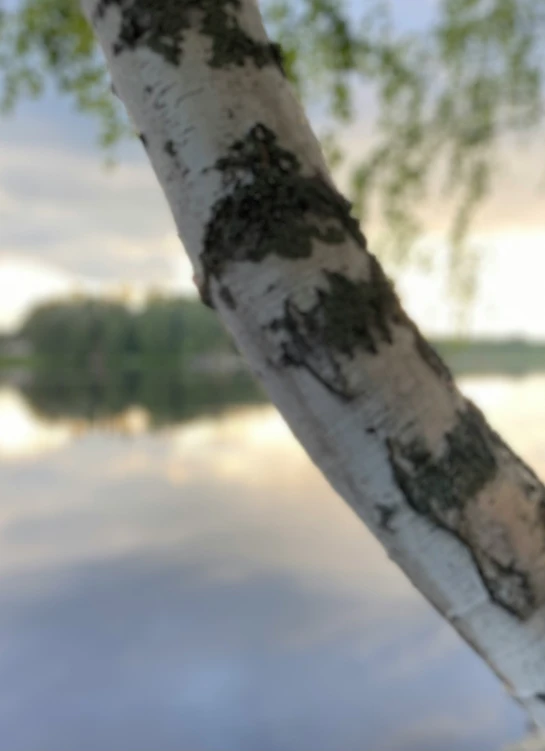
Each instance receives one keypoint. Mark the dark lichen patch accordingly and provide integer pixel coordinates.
(143, 140)
(235, 47)
(272, 208)
(347, 317)
(357, 315)
(440, 486)
(169, 148)
(443, 486)
(161, 26)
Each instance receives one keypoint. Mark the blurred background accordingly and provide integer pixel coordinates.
(174, 573)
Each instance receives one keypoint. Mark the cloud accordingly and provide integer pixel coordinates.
(63, 212)
(238, 610)
(51, 201)
(22, 434)
(25, 282)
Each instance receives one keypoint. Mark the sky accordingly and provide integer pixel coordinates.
(67, 223)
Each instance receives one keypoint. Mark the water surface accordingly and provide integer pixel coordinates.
(198, 586)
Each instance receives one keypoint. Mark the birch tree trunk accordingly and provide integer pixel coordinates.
(278, 254)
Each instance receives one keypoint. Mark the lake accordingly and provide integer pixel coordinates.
(195, 585)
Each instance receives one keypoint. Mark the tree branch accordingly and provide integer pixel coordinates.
(278, 254)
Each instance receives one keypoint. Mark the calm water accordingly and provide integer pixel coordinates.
(199, 587)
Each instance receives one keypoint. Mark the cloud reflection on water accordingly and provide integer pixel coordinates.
(202, 587)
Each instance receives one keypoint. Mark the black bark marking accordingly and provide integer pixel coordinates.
(169, 148)
(227, 297)
(430, 355)
(205, 297)
(386, 515)
(302, 348)
(161, 25)
(189, 95)
(441, 487)
(143, 140)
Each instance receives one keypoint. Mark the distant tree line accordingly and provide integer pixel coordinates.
(92, 359)
(100, 335)
(93, 334)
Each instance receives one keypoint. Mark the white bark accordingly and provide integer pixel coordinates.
(533, 743)
(276, 252)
